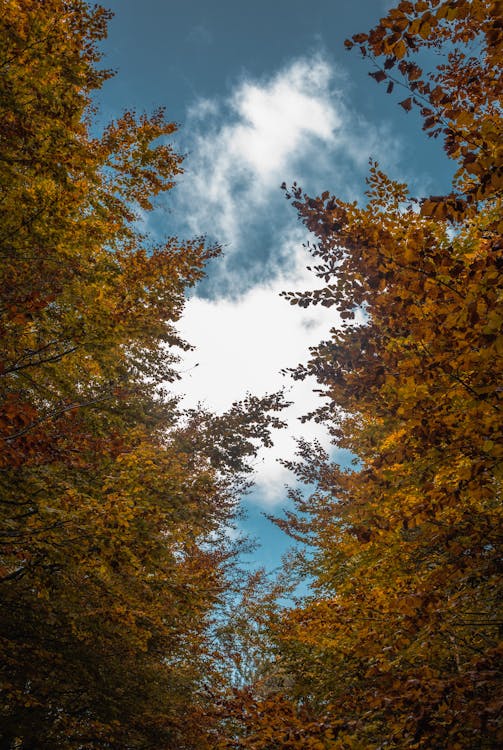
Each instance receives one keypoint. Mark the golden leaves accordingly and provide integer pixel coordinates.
(457, 99)
(400, 49)
(113, 551)
(407, 545)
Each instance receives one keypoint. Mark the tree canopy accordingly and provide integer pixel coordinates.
(399, 645)
(115, 504)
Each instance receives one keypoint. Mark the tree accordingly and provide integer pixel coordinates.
(400, 644)
(114, 505)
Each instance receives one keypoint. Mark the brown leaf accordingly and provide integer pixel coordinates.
(378, 75)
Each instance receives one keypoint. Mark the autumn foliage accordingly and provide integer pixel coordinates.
(114, 557)
(113, 505)
(399, 645)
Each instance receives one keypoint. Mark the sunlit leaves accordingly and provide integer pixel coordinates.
(461, 98)
(114, 507)
(400, 643)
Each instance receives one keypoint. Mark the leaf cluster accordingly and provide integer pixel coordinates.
(399, 645)
(114, 506)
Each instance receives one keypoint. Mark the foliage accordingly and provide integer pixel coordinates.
(400, 644)
(113, 508)
(460, 99)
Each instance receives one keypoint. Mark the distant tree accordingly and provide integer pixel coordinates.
(113, 505)
(400, 644)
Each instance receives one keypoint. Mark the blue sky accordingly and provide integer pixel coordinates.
(263, 92)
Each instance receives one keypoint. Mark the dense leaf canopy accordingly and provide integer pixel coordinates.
(115, 561)
(113, 505)
(399, 645)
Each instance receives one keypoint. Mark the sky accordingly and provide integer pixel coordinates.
(263, 93)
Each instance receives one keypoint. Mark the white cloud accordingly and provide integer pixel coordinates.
(292, 126)
(295, 125)
(252, 141)
(280, 119)
(241, 346)
(202, 108)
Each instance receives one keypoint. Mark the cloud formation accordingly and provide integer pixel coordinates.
(242, 148)
(242, 344)
(294, 125)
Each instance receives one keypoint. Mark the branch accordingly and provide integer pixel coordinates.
(14, 575)
(459, 380)
(426, 101)
(53, 415)
(54, 358)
